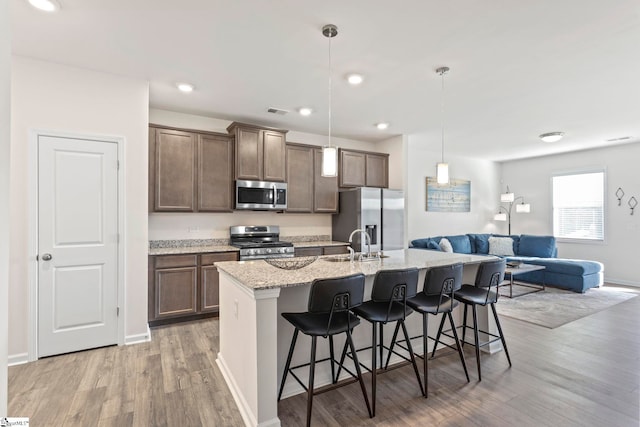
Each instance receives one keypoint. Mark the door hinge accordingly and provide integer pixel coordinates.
(118, 164)
(118, 238)
(117, 311)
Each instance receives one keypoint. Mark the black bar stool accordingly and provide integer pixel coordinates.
(330, 302)
(388, 303)
(440, 285)
(485, 292)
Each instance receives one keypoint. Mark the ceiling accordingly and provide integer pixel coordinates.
(518, 69)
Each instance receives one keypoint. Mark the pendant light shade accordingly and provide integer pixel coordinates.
(329, 161)
(442, 168)
(329, 153)
(442, 173)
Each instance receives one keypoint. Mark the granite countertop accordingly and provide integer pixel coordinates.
(257, 275)
(195, 246)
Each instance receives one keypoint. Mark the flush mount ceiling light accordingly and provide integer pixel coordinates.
(442, 168)
(305, 111)
(552, 136)
(355, 79)
(382, 126)
(185, 87)
(45, 5)
(329, 153)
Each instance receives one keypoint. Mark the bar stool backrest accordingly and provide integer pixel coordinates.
(336, 294)
(443, 280)
(490, 273)
(395, 285)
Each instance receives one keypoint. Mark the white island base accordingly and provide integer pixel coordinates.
(255, 339)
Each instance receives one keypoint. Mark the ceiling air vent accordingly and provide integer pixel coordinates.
(273, 110)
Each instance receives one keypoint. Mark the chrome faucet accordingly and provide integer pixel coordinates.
(367, 239)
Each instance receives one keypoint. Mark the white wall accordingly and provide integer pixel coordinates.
(422, 155)
(532, 178)
(5, 124)
(55, 97)
(216, 225)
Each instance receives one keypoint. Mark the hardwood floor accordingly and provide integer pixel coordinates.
(585, 373)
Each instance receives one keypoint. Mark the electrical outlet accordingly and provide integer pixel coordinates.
(194, 229)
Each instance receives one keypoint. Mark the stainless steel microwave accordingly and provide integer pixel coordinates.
(261, 195)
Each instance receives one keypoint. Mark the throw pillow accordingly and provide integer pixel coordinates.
(501, 246)
(445, 245)
(433, 245)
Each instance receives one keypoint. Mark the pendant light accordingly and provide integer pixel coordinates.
(442, 168)
(329, 152)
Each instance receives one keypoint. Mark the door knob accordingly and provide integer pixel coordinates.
(46, 257)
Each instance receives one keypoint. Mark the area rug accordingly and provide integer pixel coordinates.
(556, 307)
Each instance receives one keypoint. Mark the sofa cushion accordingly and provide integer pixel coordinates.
(501, 246)
(480, 243)
(573, 267)
(445, 245)
(424, 243)
(537, 246)
(433, 245)
(461, 244)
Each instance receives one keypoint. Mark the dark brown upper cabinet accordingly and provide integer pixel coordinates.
(172, 170)
(325, 189)
(363, 169)
(260, 152)
(190, 171)
(215, 173)
(308, 190)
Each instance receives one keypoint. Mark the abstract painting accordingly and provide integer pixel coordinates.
(452, 197)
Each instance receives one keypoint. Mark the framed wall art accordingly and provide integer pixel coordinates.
(452, 197)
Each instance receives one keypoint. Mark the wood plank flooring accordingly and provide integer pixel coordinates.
(585, 373)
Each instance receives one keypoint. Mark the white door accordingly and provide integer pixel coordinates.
(77, 244)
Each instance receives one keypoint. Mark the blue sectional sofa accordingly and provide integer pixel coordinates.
(573, 274)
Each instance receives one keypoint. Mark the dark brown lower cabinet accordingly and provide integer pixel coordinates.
(321, 250)
(184, 287)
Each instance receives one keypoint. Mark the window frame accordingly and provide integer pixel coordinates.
(582, 171)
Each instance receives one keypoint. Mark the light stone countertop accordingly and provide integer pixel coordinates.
(257, 275)
(184, 250)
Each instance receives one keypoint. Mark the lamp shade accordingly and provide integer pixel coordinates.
(329, 161)
(507, 197)
(500, 217)
(523, 208)
(442, 173)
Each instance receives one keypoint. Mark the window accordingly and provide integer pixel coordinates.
(578, 206)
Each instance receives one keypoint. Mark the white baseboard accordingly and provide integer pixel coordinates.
(612, 281)
(243, 406)
(18, 359)
(139, 338)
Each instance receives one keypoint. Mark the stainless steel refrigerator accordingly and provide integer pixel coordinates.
(378, 211)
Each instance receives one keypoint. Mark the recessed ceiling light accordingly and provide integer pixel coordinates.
(305, 111)
(185, 87)
(46, 5)
(355, 79)
(382, 126)
(552, 136)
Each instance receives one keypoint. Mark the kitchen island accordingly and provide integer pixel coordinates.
(254, 338)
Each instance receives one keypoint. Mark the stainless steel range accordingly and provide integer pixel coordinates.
(259, 242)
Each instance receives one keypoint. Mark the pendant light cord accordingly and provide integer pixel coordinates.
(330, 37)
(442, 112)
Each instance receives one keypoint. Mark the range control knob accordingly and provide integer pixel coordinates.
(283, 250)
(268, 251)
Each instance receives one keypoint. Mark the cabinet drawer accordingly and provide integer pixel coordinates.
(209, 259)
(171, 261)
(335, 250)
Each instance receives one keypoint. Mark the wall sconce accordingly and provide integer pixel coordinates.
(504, 212)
